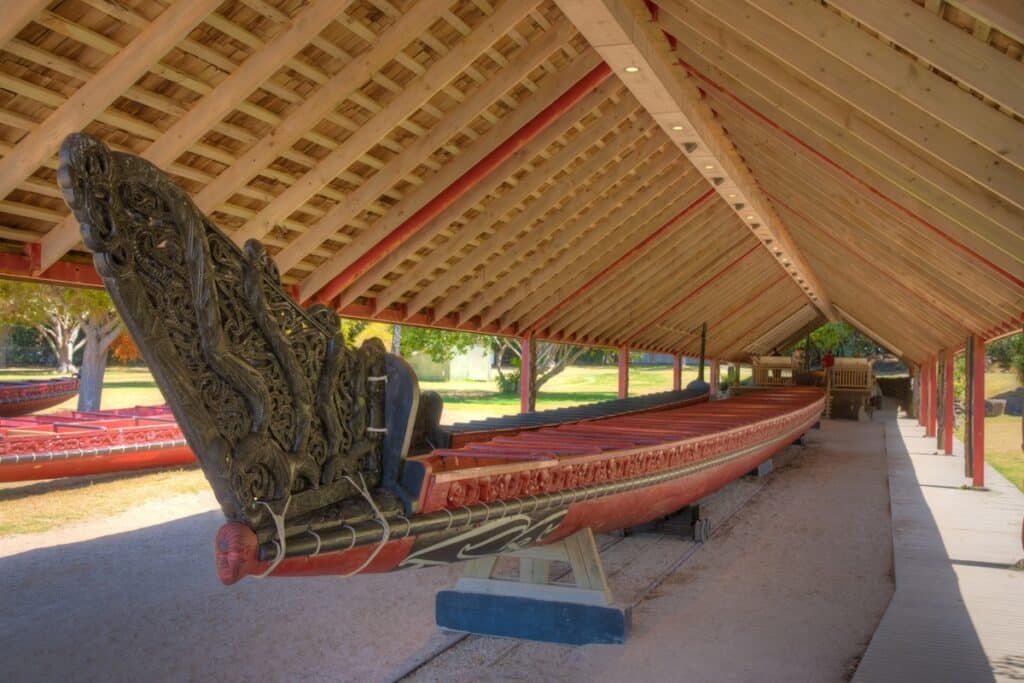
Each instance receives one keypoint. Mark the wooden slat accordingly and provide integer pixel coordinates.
(414, 96)
(213, 107)
(448, 174)
(939, 43)
(117, 75)
(418, 152)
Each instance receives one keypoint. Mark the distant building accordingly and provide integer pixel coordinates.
(473, 364)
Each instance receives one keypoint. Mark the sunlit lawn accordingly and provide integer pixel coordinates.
(1003, 433)
(464, 399)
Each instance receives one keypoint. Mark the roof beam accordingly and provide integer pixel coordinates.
(17, 15)
(493, 211)
(942, 45)
(377, 243)
(405, 104)
(117, 75)
(558, 228)
(213, 107)
(318, 105)
(632, 202)
(624, 34)
(404, 163)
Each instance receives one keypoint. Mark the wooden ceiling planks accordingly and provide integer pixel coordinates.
(881, 142)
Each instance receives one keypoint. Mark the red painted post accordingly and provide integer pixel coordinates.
(677, 372)
(527, 370)
(978, 412)
(947, 403)
(623, 371)
(933, 395)
(922, 395)
(713, 369)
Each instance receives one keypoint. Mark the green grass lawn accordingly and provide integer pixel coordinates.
(1002, 434)
(464, 400)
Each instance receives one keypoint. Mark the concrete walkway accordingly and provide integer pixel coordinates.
(958, 610)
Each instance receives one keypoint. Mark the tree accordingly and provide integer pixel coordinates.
(49, 309)
(551, 360)
(440, 345)
(69, 319)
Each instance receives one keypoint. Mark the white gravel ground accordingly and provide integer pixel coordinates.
(790, 588)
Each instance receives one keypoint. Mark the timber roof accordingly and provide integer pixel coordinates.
(607, 172)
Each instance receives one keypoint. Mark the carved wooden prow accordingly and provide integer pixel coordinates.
(283, 416)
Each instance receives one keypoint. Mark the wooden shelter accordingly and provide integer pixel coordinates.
(605, 172)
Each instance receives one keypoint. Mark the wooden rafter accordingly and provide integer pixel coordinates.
(116, 76)
(535, 176)
(228, 94)
(448, 174)
(412, 98)
(622, 31)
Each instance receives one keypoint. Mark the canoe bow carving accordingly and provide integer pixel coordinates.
(275, 405)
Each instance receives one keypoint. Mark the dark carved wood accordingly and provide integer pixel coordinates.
(275, 405)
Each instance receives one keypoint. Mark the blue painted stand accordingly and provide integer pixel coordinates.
(544, 620)
(530, 606)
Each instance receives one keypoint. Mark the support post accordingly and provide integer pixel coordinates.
(713, 369)
(933, 394)
(974, 433)
(922, 398)
(528, 374)
(533, 607)
(703, 349)
(677, 372)
(948, 413)
(623, 371)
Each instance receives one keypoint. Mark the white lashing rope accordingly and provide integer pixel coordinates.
(279, 542)
(380, 519)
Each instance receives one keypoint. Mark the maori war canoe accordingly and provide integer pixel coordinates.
(325, 458)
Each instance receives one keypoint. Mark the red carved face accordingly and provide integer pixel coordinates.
(236, 551)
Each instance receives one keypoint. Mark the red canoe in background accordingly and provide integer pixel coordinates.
(74, 443)
(29, 396)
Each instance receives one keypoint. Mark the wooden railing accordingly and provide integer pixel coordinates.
(850, 378)
(773, 377)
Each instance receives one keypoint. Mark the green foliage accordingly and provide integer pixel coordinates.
(440, 345)
(959, 377)
(30, 303)
(351, 329)
(841, 338)
(1008, 353)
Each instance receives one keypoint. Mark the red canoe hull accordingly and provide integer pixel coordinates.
(78, 444)
(25, 398)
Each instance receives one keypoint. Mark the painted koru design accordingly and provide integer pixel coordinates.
(503, 535)
(276, 407)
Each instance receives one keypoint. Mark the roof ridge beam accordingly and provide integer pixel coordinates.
(624, 34)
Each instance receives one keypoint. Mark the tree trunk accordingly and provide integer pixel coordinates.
(396, 340)
(98, 339)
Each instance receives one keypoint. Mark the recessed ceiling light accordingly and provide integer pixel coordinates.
(731, 195)
(751, 217)
(632, 69)
(709, 166)
(677, 127)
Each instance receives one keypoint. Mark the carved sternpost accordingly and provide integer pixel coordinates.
(278, 410)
